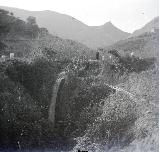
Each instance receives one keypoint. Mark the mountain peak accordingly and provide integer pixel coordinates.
(108, 24)
(48, 11)
(68, 27)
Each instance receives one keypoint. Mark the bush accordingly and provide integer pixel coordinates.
(25, 92)
(112, 127)
(18, 114)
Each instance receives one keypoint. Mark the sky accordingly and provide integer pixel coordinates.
(128, 15)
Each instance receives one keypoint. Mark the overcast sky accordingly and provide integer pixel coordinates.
(127, 15)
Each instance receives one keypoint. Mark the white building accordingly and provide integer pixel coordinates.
(152, 30)
(132, 53)
(11, 55)
(3, 58)
(103, 57)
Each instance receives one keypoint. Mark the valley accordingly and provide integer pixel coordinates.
(58, 94)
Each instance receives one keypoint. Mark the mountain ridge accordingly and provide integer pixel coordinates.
(68, 27)
(148, 27)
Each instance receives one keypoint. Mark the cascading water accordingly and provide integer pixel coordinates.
(60, 80)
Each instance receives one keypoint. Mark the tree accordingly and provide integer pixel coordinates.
(31, 20)
(31, 27)
(2, 11)
(11, 13)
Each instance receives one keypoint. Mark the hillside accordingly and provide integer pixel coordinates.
(90, 113)
(153, 24)
(51, 46)
(145, 45)
(27, 39)
(53, 97)
(70, 28)
(56, 48)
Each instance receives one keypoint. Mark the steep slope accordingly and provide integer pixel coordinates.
(54, 47)
(70, 28)
(153, 24)
(51, 46)
(99, 36)
(25, 40)
(145, 45)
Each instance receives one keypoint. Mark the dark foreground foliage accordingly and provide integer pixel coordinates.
(25, 92)
(85, 105)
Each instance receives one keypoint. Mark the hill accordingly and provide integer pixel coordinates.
(101, 116)
(100, 106)
(145, 45)
(56, 48)
(70, 28)
(27, 39)
(153, 24)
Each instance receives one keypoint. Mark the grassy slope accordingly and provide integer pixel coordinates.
(60, 49)
(133, 110)
(118, 120)
(57, 48)
(145, 45)
(145, 87)
(26, 88)
(22, 38)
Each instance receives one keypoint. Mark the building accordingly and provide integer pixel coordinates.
(43, 32)
(132, 53)
(11, 55)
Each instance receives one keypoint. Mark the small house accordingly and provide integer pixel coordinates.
(11, 55)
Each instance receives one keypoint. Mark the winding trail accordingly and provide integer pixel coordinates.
(121, 90)
(114, 87)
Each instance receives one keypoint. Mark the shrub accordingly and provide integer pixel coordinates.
(25, 93)
(18, 114)
(113, 126)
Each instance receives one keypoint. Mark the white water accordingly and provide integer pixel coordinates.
(62, 76)
(52, 107)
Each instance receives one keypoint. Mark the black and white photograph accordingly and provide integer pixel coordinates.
(79, 75)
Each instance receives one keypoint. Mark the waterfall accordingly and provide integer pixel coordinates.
(59, 82)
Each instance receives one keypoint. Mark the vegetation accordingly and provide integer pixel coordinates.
(144, 46)
(103, 105)
(13, 27)
(88, 107)
(26, 39)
